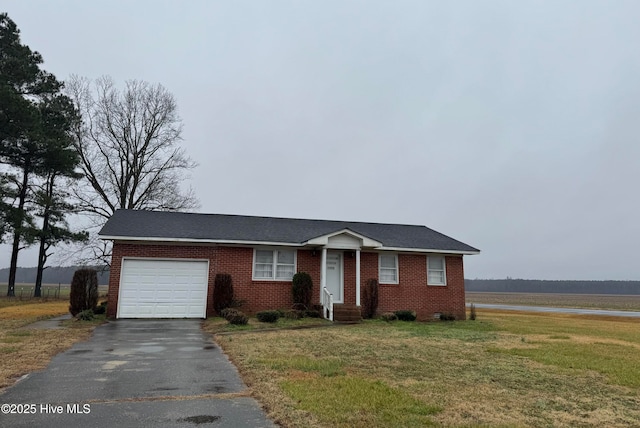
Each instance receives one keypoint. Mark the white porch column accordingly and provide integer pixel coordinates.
(323, 274)
(358, 277)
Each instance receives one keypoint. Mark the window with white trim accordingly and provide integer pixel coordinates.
(388, 269)
(436, 271)
(277, 265)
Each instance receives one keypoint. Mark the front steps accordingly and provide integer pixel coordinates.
(346, 313)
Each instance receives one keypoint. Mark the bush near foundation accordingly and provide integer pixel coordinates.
(301, 288)
(268, 316)
(446, 316)
(405, 315)
(101, 308)
(83, 294)
(389, 316)
(370, 298)
(227, 313)
(222, 292)
(238, 318)
(86, 315)
(293, 314)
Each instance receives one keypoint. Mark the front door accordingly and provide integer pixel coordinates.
(334, 276)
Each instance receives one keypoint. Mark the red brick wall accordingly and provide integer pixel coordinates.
(349, 264)
(156, 251)
(259, 295)
(368, 267)
(411, 292)
(238, 262)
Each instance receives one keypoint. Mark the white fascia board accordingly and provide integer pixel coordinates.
(324, 239)
(198, 241)
(315, 241)
(425, 250)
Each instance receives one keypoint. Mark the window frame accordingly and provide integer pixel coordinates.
(274, 264)
(397, 268)
(443, 270)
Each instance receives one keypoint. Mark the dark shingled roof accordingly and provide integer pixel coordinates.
(213, 227)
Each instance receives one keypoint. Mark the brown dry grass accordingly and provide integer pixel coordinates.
(491, 372)
(23, 349)
(590, 301)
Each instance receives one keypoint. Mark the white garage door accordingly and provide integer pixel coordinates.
(163, 289)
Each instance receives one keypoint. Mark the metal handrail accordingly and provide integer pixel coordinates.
(327, 304)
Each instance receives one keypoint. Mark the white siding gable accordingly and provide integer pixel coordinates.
(344, 241)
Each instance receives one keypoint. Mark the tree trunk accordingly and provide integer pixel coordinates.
(42, 254)
(42, 257)
(17, 233)
(11, 287)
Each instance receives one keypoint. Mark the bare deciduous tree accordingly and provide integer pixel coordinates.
(129, 146)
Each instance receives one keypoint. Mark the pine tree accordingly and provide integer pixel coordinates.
(35, 122)
(59, 166)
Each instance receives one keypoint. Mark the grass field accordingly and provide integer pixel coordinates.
(25, 291)
(590, 301)
(505, 369)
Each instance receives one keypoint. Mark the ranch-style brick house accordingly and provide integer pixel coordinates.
(164, 264)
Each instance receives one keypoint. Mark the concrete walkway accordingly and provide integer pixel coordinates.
(51, 323)
(134, 373)
(577, 311)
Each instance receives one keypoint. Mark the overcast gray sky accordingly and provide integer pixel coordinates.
(513, 126)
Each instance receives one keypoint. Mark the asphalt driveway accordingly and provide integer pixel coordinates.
(136, 373)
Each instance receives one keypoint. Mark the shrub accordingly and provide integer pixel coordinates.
(446, 316)
(312, 313)
(389, 316)
(293, 314)
(238, 319)
(101, 308)
(299, 307)
(84, 291)
(301, 288)
(222, 292)
(268, 316)
(227, 313)
(236, 303)
(405, 315)
(472, 313)
(86, 315)
(370, 298)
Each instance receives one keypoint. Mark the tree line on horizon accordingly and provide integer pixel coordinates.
(53, 275)
(80, 147)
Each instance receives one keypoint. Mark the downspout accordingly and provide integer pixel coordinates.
(358, 277)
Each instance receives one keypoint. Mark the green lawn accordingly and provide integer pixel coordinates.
(505, 369)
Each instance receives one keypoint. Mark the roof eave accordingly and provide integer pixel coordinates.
(273, 243)
(430, 250)
(196, 241)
